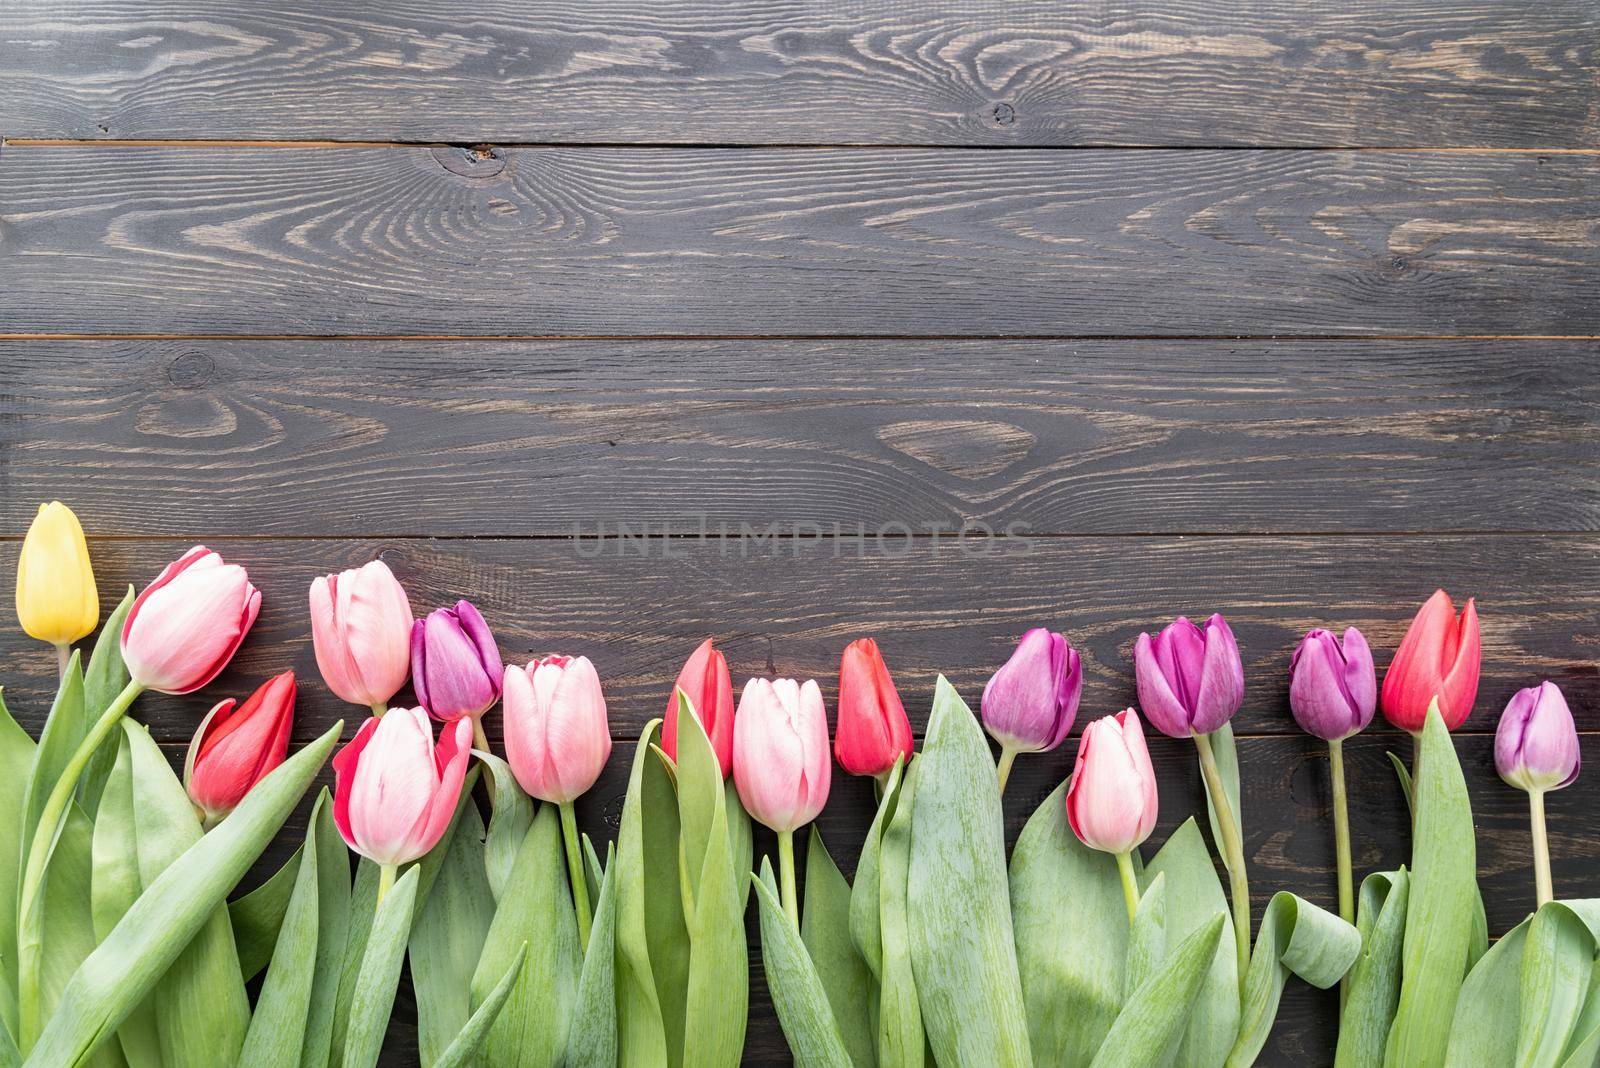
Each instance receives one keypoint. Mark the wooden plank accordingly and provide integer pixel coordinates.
(789, 606)
(433, 438)
(1032, 72)
(591, 241)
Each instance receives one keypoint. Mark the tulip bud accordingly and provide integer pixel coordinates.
(1536, 744)
(705, 679)
(873, 730)
(455, 665)
(361, 631)
(557, 737)
(781, 763)
(394, 791)
(1030, 703)
(1111, 801)
(1190, 679)
(56, 598)
(187, 624)
(1438, 657)
(1333, 689)
(235, 748)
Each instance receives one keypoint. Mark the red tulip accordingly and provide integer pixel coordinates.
(188, 623)
(1439, 657)
(235, 748)
(705, 679)
(873, 730)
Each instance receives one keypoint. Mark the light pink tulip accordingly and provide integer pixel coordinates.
(781, 762)
(394, 791)
(361, 630)
(1111, 802)
(187, 624)
(557, 737)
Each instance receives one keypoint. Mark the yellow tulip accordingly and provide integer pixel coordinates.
(56, 598)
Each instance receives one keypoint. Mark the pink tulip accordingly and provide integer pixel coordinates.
(188, 623)
(781, 763)
(361, 630)
(236, 748)
(557, 737)
(394, 791)
(1111, 802)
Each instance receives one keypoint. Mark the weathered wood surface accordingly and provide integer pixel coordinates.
(1173, 72)
(369, 439)
(603, 241)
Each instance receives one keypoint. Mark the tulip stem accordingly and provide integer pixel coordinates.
(580, 883)
(386, 874)
(1232, 853)
(43, 843)
(1341, 833)
(379, 708)
(791, 905)
(1541, 847)
(1130, 885)
(480, 741)
(63, 657)
(1007, 756)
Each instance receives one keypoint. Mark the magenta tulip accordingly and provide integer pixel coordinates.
(1030, 703)
(1111, 800)
(455, 665)
(1333, 688)
(395, 792)
(1190, 679)
(556, 734)
(235, 748)
(361, 631)
(187, 624)
(1536, 749)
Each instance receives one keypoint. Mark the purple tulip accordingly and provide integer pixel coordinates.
(1190, 679)
(1029, 704)
(1536, 744)
(1333, 688)
(455, 665)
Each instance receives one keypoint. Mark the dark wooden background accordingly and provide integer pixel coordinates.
(1284, 310)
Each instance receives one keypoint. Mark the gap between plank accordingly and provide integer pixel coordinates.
(1363, 338)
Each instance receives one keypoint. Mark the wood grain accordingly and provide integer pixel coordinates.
(205, 438)
(1173, 72)
(593, 241)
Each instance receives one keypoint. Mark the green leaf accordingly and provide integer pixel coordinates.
(16, 767)
(63, 730)
(463, 1052)
(963, 951)
(1556, 963)
(508, 823)
(448, 935)
(1374, 988)
(593, 873)
(277, 1028)
(363, 907)
(902, 1040)
(1483, 1033)
(124, 968)
(531, 1031)
(1439, 914)
(1226, 754)
(1584, 1049)
(1150, 1026)
(67, 932)
(716, 1005)
(1403, 773)
(1146, 938)
(257, 916)
(116, 886)
(333, 921)
(1480, 919)
(1296, 936)
(797, 994)
(825, 930)
(103, 679)
(865, 905)
(1072, 936)
(593, 1043)
(373, 996)
(1194, 895)
(740, 840)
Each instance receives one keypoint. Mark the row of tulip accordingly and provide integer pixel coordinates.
(526, 948)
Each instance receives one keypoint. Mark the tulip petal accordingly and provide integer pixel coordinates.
(1157, 698)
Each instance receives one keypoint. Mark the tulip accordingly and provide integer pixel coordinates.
(873, 731)
(557, 740)
(1190, 682)
(1438, 657)
(1111, 800)
(455, 665)
(1333, 692)
(704, 679)
(56, 598)
(235, 748)
(395, 792)
(361, 631)
(1030, 703)
(781, 763)
(1536, 749)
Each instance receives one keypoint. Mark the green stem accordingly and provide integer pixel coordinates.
(63, 657)
(791, 905)
(1341, 847)
(480, 742)
(379, 708)
(1130, 885)
(1541, 847)
(386, 873)
(44, 840)
(1007, 756)
(1232, 853)
(580, 884)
